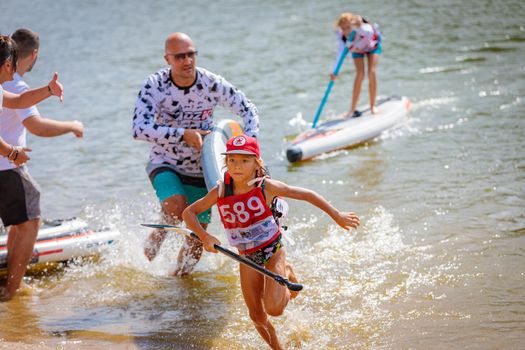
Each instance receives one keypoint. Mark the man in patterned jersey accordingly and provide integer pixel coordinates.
(173, 112)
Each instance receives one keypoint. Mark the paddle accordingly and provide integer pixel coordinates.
(276, 277)
(330, 85)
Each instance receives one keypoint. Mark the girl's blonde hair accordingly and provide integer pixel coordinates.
(346, 17)
(343, 17)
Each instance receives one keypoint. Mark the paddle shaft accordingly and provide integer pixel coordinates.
(330, 85)
(276, 277)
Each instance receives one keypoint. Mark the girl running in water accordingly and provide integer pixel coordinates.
(244, 199)
(362, 38)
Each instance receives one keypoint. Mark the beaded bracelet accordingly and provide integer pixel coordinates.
(13, 155)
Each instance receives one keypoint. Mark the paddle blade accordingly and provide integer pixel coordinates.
(296, 287)
(159, 226)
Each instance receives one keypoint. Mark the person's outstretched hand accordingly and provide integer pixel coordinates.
(348, 220)
(22, 157)
(77, 128)
(56, 88)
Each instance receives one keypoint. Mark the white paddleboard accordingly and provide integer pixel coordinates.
(346, 132)
(64, 241)
(214, 144)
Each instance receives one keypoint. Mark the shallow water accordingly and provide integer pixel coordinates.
(439, 259)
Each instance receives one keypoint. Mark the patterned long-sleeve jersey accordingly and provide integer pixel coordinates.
(163, 111)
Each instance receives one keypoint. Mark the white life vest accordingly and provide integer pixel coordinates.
(364, 39)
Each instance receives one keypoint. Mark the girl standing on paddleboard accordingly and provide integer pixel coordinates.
(244, 199)
(362, 38)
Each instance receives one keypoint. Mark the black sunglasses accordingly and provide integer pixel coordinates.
(183, 55)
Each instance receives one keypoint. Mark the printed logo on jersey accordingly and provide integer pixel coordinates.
(197, 115)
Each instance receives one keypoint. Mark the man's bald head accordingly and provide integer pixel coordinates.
(177, 40)
(181, 55)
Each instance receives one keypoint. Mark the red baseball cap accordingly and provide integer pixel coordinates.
(243, 144)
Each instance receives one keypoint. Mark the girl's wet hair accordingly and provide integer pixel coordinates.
(263, 170)
(8, 50)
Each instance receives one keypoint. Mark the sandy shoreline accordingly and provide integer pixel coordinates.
(21, 346)
(62, 345)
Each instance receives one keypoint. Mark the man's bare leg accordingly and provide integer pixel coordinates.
(191, 250)
(153, 243)
(189, 255)
(171, 213)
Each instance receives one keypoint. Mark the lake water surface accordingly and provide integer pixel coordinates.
(439, 260)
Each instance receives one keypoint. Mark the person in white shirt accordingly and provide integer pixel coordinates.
(174, 110)
(8, 61)
(19, 193)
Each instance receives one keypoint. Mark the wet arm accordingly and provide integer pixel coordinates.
(346, 220)
(189, 215)
(277, 188)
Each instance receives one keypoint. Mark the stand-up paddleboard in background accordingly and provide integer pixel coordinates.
(59, 241)
(346, 132)
(214, 144)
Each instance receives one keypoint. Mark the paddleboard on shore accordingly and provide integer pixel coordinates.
(63, 240)
(346, 132)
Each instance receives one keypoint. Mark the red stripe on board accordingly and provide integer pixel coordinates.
(49, 252)
(87, 233)
(66, 237)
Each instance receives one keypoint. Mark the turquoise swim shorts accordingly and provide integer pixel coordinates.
(377, 51)
(167, 183)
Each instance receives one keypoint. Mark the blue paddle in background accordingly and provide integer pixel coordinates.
(330, 85)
